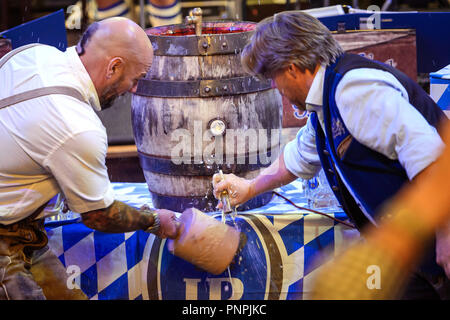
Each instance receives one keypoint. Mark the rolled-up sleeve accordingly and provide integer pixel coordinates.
(375, 109)
(300, 154)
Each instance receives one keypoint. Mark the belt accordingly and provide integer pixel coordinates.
(27, 232)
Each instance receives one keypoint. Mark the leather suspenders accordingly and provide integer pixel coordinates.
(35, 93)
(31, 94)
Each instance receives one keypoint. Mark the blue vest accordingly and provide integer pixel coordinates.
(370, 178)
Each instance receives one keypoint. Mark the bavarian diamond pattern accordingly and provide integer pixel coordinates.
(114, 266)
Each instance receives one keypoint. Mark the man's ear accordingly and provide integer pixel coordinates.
(115, 67)
(292, 70)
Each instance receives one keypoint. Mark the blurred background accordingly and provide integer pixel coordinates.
(15, 12)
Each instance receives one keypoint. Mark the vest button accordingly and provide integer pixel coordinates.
(335, 188)
(330, 171)
(325, 152)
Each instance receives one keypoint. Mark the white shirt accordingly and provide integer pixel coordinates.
(375, 109)
(52, 144)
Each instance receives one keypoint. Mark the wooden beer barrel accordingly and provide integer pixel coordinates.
(193, 110)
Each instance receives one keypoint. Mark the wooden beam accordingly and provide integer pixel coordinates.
(122, 151)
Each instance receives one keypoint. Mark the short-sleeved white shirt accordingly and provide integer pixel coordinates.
(51, 144)
(376, 111)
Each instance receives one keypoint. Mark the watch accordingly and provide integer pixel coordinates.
(154, 228)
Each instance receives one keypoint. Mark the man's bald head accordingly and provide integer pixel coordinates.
(115, 51)
(117, 36)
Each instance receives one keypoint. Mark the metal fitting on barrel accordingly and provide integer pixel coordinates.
(195, 17)
(225, 198)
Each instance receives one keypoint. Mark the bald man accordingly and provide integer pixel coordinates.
(55, 143)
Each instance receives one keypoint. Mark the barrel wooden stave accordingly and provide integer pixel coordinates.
(156, 119)
(160, 117)
(175, 68)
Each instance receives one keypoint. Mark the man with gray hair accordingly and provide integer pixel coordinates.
(371, 128)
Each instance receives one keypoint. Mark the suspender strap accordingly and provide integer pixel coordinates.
(12, 53)
(35, 93)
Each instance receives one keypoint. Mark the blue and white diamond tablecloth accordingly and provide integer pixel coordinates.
(284, 250)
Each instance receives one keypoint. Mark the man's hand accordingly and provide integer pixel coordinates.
(169, 224)
(443, 248)
(120, 217)
(239, 189)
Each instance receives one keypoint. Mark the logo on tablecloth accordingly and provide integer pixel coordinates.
(277, 262)
(255, 273)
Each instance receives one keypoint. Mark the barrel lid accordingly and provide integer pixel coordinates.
(217, 38)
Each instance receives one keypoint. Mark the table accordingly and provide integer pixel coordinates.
(285, 248)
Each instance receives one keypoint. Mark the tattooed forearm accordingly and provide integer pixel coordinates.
(118, 218)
